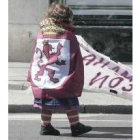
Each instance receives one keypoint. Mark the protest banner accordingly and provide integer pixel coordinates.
(104, 75)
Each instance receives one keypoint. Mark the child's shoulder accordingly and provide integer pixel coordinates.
(70, 34)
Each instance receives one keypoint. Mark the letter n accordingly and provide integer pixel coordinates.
(96, 78)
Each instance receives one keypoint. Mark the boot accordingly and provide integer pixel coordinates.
(79, 129)
(49, 130)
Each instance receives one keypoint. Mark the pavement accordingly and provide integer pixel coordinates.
(20, 98)
(26, 126)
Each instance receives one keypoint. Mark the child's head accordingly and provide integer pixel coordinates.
(60, 12)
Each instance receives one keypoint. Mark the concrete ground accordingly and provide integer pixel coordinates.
(21, 98)
(104, 127)
(109, 116)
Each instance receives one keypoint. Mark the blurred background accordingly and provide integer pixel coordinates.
(105, 24)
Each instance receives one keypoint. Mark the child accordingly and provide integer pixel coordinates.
(56, 72)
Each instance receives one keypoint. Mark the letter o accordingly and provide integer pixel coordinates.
(119, 80)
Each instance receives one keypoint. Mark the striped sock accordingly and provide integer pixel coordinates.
(73, 116)
(45, 117)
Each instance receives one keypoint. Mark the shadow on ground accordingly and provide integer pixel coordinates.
(105, 132)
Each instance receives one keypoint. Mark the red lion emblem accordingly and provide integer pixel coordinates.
(52, 59)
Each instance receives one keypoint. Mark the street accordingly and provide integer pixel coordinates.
(105, 127)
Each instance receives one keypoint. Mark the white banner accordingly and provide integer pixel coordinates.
(104, 75)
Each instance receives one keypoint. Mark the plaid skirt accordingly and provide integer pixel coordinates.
(57, 104)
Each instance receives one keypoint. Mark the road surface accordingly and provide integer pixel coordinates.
(105, 127)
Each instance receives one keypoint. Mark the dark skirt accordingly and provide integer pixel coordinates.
(57, 104)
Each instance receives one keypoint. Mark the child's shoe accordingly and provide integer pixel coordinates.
(79, 129)
(49, 130)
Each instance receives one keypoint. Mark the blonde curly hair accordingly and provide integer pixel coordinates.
(60, 12)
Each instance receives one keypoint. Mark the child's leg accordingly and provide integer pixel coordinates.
(46, 127)
(73, 116)
(45, 117)
(77, 128)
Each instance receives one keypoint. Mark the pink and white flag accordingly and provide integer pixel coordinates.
(103, 75)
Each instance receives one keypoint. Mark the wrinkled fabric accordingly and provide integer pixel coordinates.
(56, 70)
(57, 104)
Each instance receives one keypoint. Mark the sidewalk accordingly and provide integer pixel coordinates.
(21, 99)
